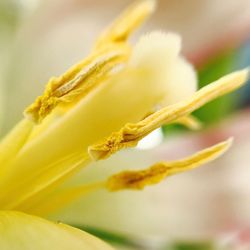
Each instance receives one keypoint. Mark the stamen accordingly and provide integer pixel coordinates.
(126, 23)
(135, 180)
(139, 179)
(71, 85)
(60, 89)
(130, 134)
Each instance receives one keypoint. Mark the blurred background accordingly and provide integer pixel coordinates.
(40, 39)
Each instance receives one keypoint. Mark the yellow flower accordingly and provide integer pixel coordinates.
(107, 102)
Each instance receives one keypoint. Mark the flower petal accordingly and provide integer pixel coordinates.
(20, 231)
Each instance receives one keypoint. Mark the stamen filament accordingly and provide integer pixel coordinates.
(126, 23)
(190, 122)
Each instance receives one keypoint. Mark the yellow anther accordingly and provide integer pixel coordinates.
(130, 134)
(78, 81)
(159, 171)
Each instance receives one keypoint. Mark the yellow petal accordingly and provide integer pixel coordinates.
(126, 23)
(130, 134)
(159, 171)
(20, 231)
